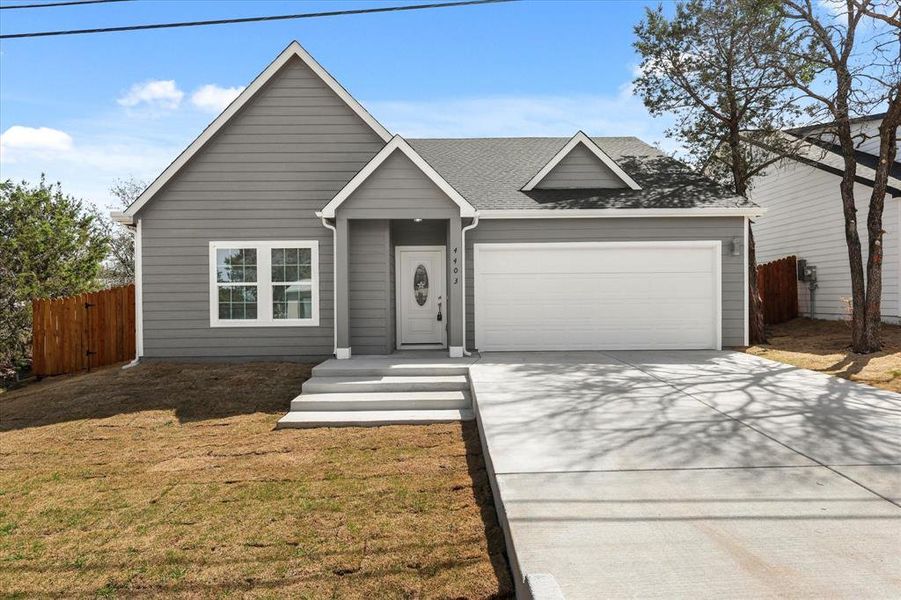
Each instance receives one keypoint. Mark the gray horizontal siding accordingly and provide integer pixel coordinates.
(368, 278)
(580, 169)
(623, 230)
(398, 189)
(280, 159)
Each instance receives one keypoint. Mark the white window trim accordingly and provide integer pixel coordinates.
(264, 284)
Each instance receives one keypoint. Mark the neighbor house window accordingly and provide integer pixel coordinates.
(264, 283)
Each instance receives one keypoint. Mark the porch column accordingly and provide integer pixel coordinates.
(455, 323)
(342, 289)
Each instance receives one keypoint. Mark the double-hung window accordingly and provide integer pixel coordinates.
(255, 284)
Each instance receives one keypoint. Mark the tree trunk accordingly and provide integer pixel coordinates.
(852, 237)
(888, 136)
(855, 262)
(756, 328)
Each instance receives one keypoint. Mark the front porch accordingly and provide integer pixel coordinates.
(399, 285)
(399, 256)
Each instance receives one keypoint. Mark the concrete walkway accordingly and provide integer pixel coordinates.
(691, 474)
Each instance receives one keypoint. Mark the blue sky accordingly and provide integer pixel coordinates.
(89, 109)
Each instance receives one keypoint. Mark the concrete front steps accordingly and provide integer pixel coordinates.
(385, 383)
(383, 390)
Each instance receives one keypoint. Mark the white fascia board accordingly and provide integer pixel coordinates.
(581, 138)
(397, 143)
(120, 217)
(612, 213)
(293, 49)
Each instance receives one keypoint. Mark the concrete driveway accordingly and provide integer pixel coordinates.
(692, 474)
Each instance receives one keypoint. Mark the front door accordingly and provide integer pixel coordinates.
(421, 303)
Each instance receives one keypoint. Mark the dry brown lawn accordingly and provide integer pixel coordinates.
(825, 346)
(169, 480)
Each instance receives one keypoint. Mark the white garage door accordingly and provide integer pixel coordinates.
(597, 296)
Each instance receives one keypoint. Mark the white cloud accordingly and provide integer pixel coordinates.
(19, 141)
(106, 147)
(213, 98)
(154, 93)
(35, 138)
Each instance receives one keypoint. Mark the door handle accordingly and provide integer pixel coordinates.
(439, 309)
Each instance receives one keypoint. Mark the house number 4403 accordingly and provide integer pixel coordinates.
(456, 270)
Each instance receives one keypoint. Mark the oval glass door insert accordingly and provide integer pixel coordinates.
(421, 285)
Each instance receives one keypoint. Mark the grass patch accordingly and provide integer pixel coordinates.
(168, 480)
(825, 346)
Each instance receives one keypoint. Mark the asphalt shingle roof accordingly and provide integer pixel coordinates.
(490, 172)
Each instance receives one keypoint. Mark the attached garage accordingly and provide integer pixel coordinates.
(597, 295)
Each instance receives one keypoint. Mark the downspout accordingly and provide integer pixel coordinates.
(135, 228)
(326, 224)
(473, 225)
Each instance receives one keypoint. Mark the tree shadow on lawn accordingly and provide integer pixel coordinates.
(825, 346)
(819, 337)
(194, 391)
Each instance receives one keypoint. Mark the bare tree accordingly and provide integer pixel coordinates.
(119, 266)
(719, 66)
(854, 49)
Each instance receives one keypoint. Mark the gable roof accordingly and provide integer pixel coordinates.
(399, 144)
(294, 49)
(804, 130)
(580, 138)
(828, 157)
(489, 173)
(824, 154)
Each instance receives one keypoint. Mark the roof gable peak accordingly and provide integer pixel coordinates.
(294, 49)
(581, 139)
(399, 144)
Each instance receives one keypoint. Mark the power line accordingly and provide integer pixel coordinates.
(69, 3)
(313, 15)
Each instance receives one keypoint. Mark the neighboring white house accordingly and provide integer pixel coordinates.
(804, 218)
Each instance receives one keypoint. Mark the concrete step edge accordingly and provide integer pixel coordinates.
(385, 384)
(382, 400)
(372, 418)
(399, 371)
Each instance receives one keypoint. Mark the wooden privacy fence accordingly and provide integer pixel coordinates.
(778, 285)
(83, 331)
